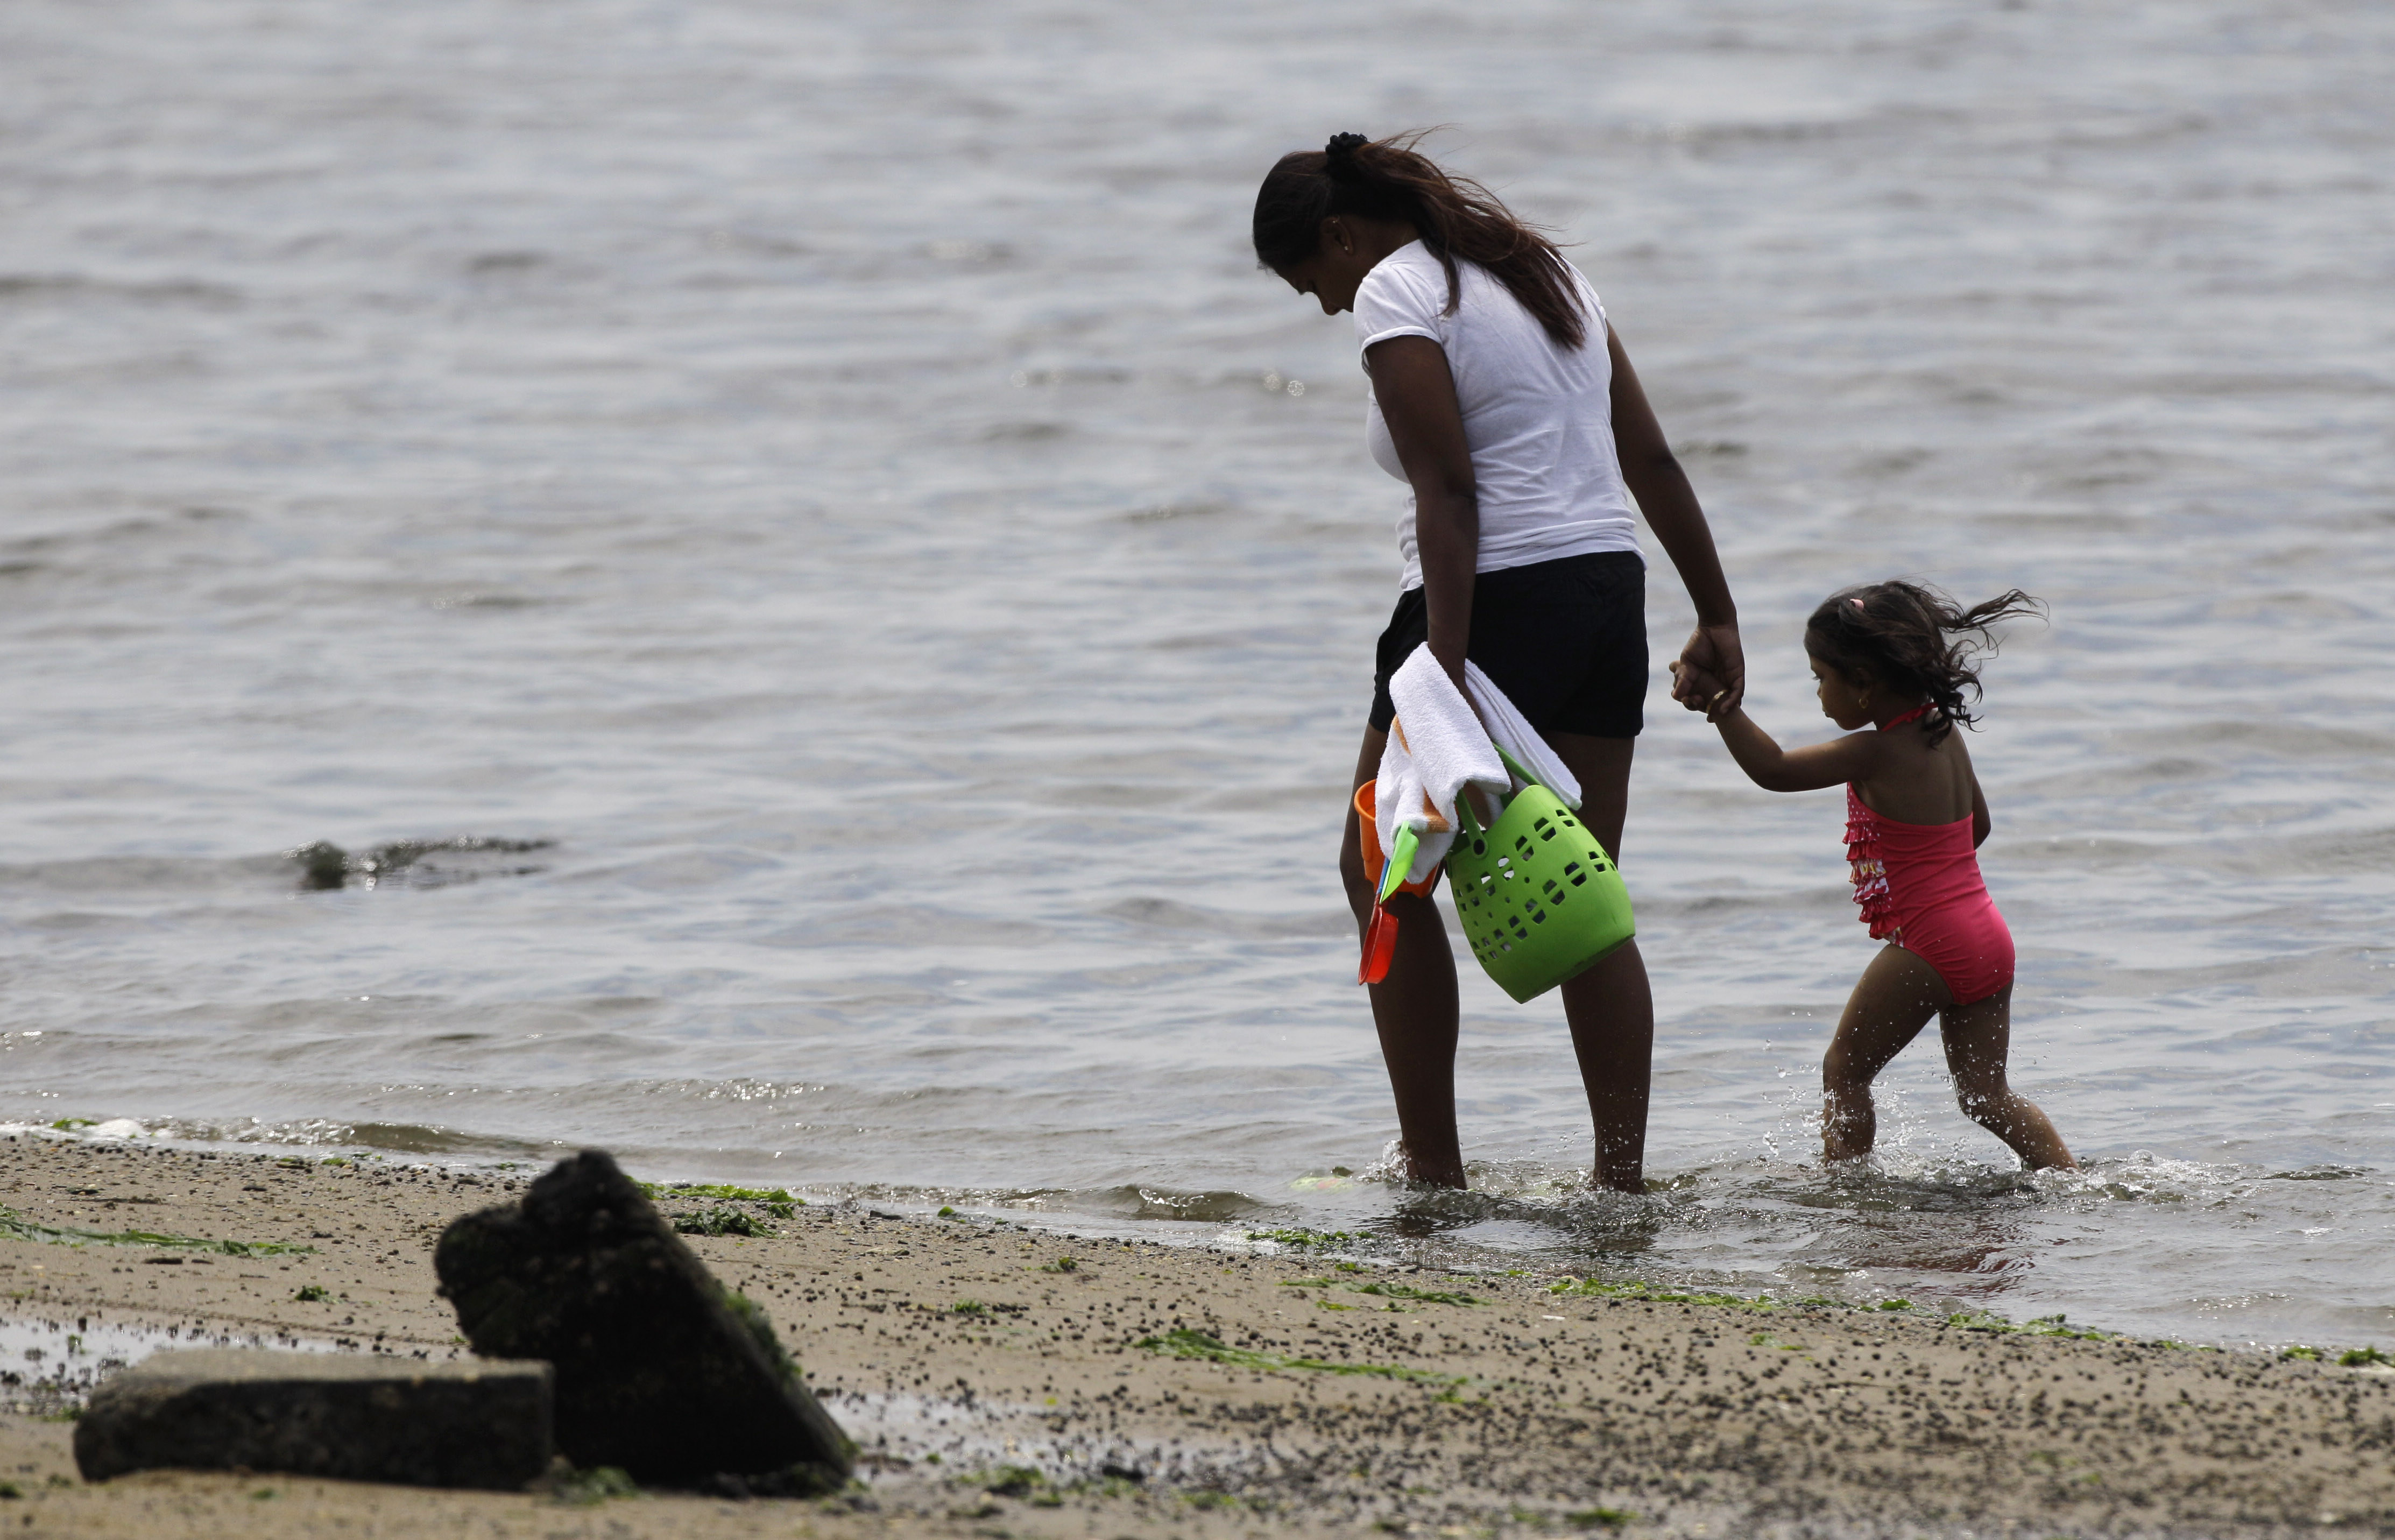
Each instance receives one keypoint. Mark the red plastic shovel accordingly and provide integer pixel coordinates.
(1379, 946)
(1381, 934)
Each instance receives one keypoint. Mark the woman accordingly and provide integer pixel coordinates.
(1501, 396)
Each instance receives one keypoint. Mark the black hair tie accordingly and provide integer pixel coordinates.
(1339, 155)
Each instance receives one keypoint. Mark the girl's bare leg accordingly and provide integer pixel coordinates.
(1892, 1002)
(1979, 1040)
(1414, 1008)
(1611, 1007)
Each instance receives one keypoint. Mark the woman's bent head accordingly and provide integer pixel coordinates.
(1912, 641)
(1325, 217)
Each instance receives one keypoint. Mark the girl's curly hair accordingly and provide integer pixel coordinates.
(1914, 640)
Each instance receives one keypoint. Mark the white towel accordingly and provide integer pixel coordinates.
(1519, 738)
(1437, 747)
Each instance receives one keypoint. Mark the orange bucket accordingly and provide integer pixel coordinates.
(1373, 859)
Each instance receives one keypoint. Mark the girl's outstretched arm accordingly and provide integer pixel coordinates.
(1851, 758)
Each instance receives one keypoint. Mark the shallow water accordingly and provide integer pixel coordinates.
(829, 607)
(50, 1364)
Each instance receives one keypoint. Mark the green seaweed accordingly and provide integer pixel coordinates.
(1304, 1239)
(1651, 1294)
(752, 1317)
(1062, 1265)
(777, 1200)
(734, 1194)
(16, 1227)
(1968, 1320)
(2361, 1357)
(1013, 1481)
(310, 1294)
(1600, 1517)
(68, 1125)
(1187, 1343)
(1403, 1291)
(588, 1488)
(1386, 1291)
(720, 1221)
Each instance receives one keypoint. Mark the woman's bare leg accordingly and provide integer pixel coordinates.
(1979, 1040)
(1892, 1002)
(1611, 1007)
(1414, 1008)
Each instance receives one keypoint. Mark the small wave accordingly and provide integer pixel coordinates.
(302, 1134)
(431, 1139)
(173, 291)
(1131, 1200)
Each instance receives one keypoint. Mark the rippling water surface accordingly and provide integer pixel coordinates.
(826, 607)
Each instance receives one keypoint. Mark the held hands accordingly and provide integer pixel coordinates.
(1694, 689)
(1710, 675)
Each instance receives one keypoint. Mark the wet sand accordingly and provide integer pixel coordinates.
(996, 1379)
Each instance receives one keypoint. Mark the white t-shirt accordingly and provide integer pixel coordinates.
(1538, 416)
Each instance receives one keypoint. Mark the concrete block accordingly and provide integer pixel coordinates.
(659, 1370)
(473, 1423)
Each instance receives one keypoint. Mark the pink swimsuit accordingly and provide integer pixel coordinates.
(1918, 886)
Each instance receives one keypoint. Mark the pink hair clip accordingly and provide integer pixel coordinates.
(1858, 603)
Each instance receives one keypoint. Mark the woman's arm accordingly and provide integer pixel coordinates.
(1670, 503)
(1851, 758)
(1417, 394)
(1981, 825)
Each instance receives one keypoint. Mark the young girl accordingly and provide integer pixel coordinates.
(1899, 656)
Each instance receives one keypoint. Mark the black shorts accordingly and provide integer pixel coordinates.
(1566, 641)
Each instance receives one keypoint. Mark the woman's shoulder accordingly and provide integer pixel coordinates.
(1405, 294)
(1411, 273)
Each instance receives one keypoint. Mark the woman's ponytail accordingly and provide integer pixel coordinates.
(1456, 217)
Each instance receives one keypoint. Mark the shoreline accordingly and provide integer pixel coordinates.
(1001, 1377)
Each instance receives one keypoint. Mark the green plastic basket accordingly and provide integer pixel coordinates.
(1536, 894)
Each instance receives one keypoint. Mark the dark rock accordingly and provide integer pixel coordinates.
(360, 1418)
(321, 864)
(659, 1371)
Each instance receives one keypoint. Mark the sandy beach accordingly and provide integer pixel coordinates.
(1007, 1381)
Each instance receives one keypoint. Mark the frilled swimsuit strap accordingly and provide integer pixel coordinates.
(1913, 715)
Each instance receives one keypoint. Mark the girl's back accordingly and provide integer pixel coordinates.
(1916, 781)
